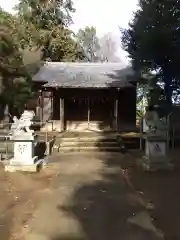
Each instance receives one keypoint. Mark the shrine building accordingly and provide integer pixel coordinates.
(86, 96)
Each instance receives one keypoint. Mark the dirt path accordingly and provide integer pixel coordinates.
(19, 195)
(89, 197)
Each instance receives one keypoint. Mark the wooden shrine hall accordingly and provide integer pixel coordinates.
(86, 96)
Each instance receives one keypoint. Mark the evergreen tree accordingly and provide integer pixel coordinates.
(152, 41)
(15, 81)
(49, 30)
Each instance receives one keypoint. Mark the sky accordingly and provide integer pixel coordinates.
(106, 16)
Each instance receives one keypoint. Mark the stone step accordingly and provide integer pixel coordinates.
(89, 148)
(83, 140)
(87, 139)
(92, 141)
(68, 134)
(87, 143)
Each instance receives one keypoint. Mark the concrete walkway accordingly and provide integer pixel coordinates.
(89, 198)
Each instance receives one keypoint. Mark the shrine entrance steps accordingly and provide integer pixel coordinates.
(87, 141)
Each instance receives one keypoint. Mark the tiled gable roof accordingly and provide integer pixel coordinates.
(84, 75)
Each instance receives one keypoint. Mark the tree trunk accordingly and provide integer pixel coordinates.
(168, 89)
(168, 94)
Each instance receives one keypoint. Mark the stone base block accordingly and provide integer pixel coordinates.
(149, 165)
(17, 161)
(36, 167)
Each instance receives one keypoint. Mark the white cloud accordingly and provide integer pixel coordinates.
(8, 5)
(106, 16)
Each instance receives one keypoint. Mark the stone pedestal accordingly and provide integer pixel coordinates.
(24, 145)
(24, 158)
(156, 154)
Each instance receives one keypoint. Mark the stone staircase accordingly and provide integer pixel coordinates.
(86, 141)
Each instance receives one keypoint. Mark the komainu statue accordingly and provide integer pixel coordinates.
(155, 124)
(23, 124)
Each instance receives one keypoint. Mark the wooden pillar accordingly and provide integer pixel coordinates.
(116, 113)
(56, 105)
(52, 103)
(88, 112)
(41, 106)
(38, 114)
(62, 114)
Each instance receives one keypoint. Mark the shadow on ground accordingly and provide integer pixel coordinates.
(161, 190)
(104, 207)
